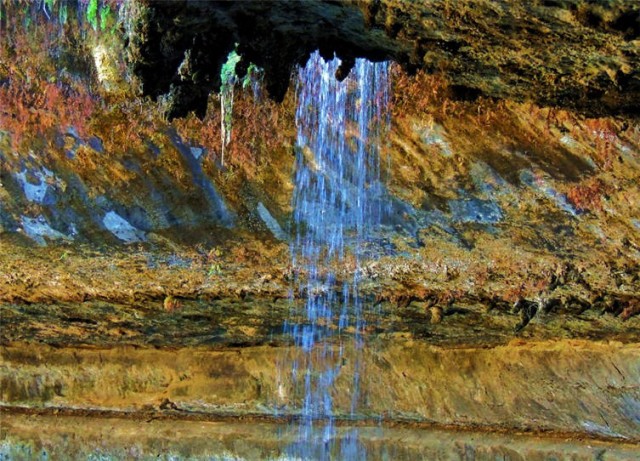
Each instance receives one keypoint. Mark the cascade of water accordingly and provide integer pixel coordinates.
(337, 206)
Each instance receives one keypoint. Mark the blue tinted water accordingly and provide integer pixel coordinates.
(338, 203)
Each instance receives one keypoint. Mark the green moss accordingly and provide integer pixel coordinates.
(105, 17)
(92, 13)
(50, 4)
(228, 71)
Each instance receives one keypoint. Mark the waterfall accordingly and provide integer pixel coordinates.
(337, 207)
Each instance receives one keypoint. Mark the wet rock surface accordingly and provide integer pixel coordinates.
(223, 323)
(572, 387)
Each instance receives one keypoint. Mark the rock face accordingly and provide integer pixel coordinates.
(566, 53)
(491, 201)
(138, 271)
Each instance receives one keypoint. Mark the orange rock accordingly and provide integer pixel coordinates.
(171, 304)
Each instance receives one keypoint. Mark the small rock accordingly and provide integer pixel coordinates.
(167, 404)
(547, 305)
(197, 152)
(632, 309)
(171, 304)
(436, 315)
(527, 310)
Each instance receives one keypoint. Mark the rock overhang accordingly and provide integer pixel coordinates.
(571, 54)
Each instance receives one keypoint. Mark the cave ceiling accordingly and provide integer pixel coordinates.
(575, 54)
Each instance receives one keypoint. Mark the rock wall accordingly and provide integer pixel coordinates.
(490, 200)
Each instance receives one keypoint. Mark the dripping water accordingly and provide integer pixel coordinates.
(338, 202)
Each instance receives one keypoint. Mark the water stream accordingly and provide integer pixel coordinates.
(338, 202)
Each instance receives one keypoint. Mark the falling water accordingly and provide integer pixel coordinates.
(337, 206)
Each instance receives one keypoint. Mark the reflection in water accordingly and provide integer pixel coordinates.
(86, 438)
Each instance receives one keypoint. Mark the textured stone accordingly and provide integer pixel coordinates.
(572, 54)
